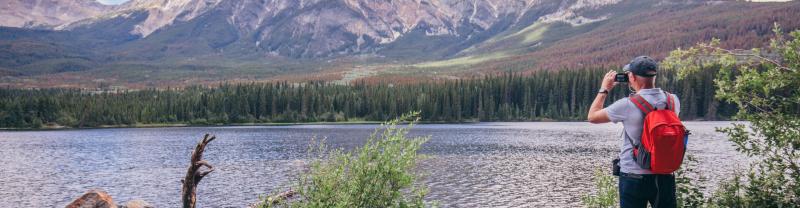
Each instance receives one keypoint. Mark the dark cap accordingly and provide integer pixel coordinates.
(642, 66)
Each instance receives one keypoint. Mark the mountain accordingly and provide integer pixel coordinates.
(320, 28)
(48, 13)
(178, 42)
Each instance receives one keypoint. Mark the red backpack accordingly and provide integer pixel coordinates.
(663, 141)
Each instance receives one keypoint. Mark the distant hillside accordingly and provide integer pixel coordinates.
(658, 30)
(151, 43)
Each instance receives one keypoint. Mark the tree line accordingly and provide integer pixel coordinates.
(562, 95)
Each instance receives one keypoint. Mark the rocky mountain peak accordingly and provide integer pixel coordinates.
(48, 13)
(308, 28)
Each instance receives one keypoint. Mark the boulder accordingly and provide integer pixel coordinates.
(96, 198)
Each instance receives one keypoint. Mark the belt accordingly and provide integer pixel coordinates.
(631, 175)
(640, 176)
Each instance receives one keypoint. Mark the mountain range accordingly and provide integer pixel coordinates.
(152, 43)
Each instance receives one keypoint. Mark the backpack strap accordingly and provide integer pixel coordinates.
(630, 140)
(642, 104)
(646, 108)
(670, 102)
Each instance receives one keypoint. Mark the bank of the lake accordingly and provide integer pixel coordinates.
(175, 125)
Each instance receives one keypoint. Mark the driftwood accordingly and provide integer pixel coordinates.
(194, 174)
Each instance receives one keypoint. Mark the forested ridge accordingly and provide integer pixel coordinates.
(562, 95)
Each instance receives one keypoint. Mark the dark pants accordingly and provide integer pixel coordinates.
(635, 191)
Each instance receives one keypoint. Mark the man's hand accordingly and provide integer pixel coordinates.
(596, 112)
(608, 80)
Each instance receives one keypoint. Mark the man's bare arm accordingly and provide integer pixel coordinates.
(596, 112)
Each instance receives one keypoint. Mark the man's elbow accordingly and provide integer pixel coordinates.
(592, 119)
(596, 119)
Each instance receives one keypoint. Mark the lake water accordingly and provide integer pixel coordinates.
(468, 165)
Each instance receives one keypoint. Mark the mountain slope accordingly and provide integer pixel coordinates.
(324, 28)
(179, 42)
(657, 30)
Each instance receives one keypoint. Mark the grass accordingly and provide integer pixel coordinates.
(463, 61)
(529, 34)
(534, 33)
(503, 46)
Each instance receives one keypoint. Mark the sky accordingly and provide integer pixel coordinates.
(112, 1)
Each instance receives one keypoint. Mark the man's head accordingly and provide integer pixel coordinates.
(642, 72)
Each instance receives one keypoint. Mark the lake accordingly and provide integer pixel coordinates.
(468, 165)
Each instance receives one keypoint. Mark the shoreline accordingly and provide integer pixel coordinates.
(177, 125)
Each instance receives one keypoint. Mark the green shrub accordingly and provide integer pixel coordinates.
(382, 173)
(607, 194)
(66, 119)
(689, 184)
(765, 85)
(199, 121)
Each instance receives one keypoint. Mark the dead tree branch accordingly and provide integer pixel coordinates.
(194, 174)
(757, 56)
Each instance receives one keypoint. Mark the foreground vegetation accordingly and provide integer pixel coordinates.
(545, 95)
(765, 85)
(382, 173)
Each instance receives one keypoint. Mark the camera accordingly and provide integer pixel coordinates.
(621, 77)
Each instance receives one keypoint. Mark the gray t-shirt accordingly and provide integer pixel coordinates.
(623, 110)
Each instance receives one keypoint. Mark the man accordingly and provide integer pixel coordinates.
(637, 186)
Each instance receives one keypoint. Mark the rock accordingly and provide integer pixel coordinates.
(96, 198)
(136, 204)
